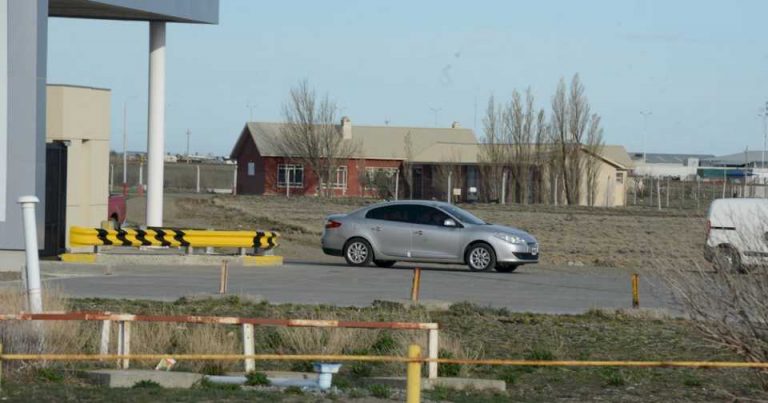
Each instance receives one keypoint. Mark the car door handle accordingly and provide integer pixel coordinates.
(418, 232)
(376, 228)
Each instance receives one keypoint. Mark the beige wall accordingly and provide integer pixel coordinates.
(610, 187)
(81, 116)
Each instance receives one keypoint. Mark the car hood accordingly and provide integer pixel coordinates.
(510, 230)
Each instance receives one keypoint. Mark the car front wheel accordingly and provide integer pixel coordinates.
(358, 252)
(480, 257)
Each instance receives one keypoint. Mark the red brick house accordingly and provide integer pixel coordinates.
(263, 170)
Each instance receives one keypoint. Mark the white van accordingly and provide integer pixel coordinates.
(737, 233)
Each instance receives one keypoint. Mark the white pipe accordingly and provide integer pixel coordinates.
(450, 176)
(33, 260)
(156, 124)
(503, 187)
(141, 173)
(234, 181)
(197, 188)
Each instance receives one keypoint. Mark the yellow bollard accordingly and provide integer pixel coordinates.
(635, 290)
(415, 285)
(413, 380)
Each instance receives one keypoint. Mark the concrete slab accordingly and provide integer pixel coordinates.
(428, 304)
(118, 378)
(452, 383)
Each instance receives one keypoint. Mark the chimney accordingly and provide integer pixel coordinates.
(455, 125)
(346, 128)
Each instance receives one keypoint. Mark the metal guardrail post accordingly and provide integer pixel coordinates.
(635, 290)
(432, 353)
(248, 347)
(123, 343)
(413, 375)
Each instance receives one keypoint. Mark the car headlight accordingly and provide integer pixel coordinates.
(509, 238)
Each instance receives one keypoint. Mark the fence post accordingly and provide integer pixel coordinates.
(413, 375)
(635, 290)
(668, 189)
(415, 285)
(658, 191)
(234, 181)
(106, 327)
(432, 351)
(248, 347)
(123, 343)
(504, 187)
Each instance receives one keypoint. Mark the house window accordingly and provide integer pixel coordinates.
(294, 172)
(251, 169)
(619, 177)
(375, 175)
(340, 180)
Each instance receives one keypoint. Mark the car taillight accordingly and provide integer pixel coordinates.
(332, 224)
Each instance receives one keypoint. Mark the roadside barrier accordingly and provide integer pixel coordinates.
(124, 330)
(176, 237)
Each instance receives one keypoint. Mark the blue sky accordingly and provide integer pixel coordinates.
(700, 67)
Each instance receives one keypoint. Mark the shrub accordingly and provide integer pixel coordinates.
(255, 378)
(447, 369)
(146, 384)
(49, 375)
(380, 391)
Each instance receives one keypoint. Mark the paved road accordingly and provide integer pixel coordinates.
(537, 288)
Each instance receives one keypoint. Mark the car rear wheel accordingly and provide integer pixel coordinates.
(384, 263)
(506, 268)
(358, 252)
(480, 257)
(727, 260)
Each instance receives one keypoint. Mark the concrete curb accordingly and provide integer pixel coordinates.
(167, 259)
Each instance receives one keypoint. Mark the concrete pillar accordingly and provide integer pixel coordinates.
(156, 124)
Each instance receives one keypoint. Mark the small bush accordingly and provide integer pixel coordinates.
(293, 390)
(49, 375)
(206, 384)
(146, 384)
(614, 377)
(447, 369)
(361, 369)
(692, 381)
(385, 344)
(212, 369)
(255, 378)
(302, 366)
(380, 391)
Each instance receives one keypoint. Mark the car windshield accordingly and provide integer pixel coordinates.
(463, 216)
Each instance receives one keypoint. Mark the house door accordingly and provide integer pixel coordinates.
(55, 198)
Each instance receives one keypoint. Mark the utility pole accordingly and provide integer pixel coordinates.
(645, 115)
(764, 115)
(189, 133)
(125, 144)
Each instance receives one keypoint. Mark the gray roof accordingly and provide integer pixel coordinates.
(376, 142)
(662, 158)
(190, 11)
(738, 158)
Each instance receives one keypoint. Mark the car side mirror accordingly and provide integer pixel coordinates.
(449, 222)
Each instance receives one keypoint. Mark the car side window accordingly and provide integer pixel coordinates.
(425, 215)
(397, 213)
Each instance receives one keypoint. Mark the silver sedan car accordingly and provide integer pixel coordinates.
(426, 231)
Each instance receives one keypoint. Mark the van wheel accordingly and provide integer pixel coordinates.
(727, 260)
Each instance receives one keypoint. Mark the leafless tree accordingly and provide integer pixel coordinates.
(594, 149)
(492, 152)
(407, 165)
(312, 135)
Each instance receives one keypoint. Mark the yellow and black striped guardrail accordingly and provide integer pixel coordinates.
(154, 236)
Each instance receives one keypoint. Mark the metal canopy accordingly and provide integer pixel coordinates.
(187, 11)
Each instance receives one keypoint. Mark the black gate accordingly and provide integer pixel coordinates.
(55, 198)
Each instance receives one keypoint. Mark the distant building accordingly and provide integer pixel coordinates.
(434, 152)
(660, 165)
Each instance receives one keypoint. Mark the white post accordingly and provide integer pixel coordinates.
(397, 184)
(658, 191)
(111, 177)
(106, 326)
(156, 132)
(450, 176)
(432, 351)
(555, 190)
(141, 173)
(234, 182)
(248, 347)
(123, 343)
(503, 187)
(197, 187)
(33, 260)
(725, 180)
